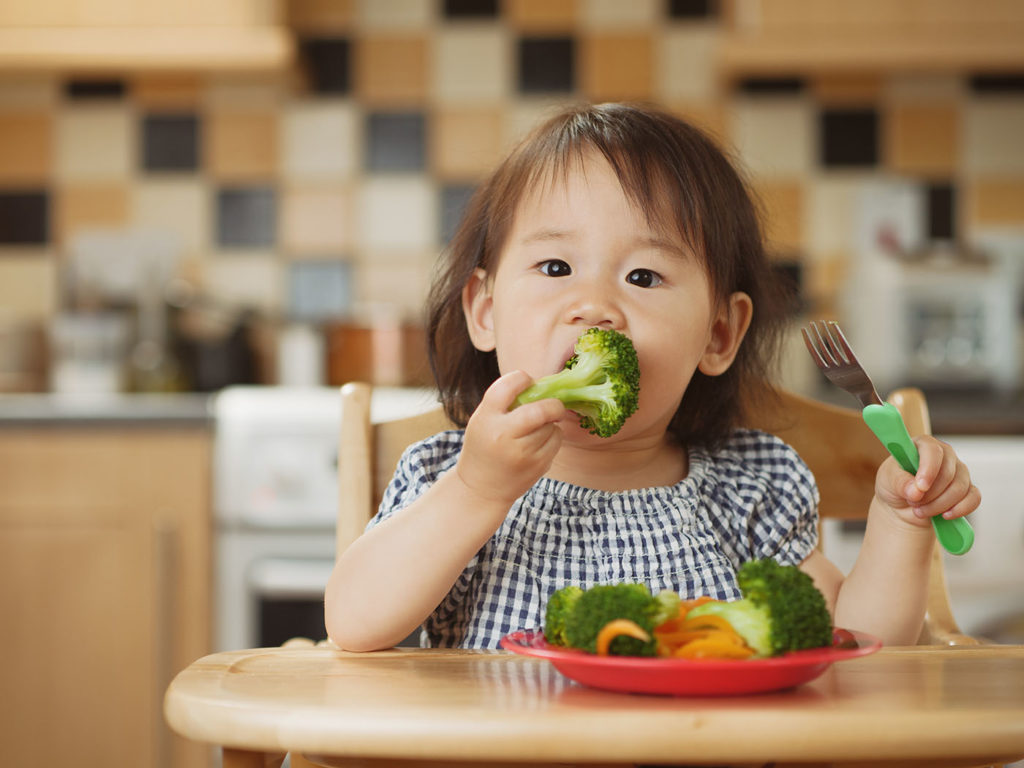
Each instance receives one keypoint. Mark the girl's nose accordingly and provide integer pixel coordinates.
(594, 309)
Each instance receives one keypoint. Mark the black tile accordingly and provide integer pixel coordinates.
(95, 89)
(547, 64)
(476, 9)
(941, 211)
(771, 85)
(454, 198)
(170, 142)
(396, 141)
(692, 9)
(1002, 82)
(849, 138)
(328, 63)
(246, 217)
(24, 217)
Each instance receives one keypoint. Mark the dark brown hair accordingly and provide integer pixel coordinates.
(680, 179)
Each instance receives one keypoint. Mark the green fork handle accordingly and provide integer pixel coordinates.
(956, 536)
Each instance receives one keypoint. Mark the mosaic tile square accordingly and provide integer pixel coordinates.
(472, 65)
(466, 143)
(316, 220)
(774, 135)
(26, 147)
(783, 211)
(470, 9)
(95, 143)
(320, 290)
(91, 206)
(170, 142)
(392, 70)
(995, 202)
(396, 141)
(686, 64)
(397, 213)
(849, 137)
(994, 136)
(454, 199)
(24, 217)
(923, 138)
(245, 280)
(321, 15)
(320, 141)
(617, 67)
(615, 14)
(242, 144)
(537, 16)
(327, 64)
(28, 283)
(395, 14)
(246, 217)
(177, 206)
(546, 64)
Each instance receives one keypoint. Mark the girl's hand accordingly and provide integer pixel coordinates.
(942, 485)
(505, 452)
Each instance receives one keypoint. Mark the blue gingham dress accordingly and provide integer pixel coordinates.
(752, 498)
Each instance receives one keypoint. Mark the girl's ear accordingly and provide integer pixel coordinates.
(477, 306)
(727, 331)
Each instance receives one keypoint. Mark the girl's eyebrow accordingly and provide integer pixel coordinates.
(549, 234)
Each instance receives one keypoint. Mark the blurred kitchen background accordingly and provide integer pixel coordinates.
(214, 213)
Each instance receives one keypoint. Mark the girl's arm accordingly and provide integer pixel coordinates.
(885, 593)
(390, 579)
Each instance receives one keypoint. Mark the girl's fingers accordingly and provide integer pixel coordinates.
(503, 391)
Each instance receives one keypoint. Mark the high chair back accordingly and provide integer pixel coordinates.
(840, 450)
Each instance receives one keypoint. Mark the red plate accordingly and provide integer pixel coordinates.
(692, 677)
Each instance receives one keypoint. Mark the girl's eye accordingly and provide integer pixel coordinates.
(643, 278)
(554, 268)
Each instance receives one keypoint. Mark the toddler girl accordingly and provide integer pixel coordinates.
(622, 217)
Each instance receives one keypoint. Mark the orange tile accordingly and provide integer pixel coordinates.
(617, 67)
(541, 15)
(783, 212)
(241, 144)
(923, 138)
(164, 91)
(466, 144)
(89, 206)
(392, 70)
(713, 119)
(26, 147)
(995, 202)
(845, 90)
(320, 16)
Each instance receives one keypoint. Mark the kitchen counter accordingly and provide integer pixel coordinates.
(127, 410)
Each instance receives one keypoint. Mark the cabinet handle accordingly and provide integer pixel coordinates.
(164, 570)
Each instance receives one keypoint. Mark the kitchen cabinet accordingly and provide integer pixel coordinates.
(104, 589)
(793, 37)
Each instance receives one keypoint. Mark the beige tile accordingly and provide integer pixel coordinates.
(541, 16)
(398, 280)
(321, 16)
(245, 280)
(686, 64)
(523, 115)
(268, 91)
(28, 283)
(617, 67)
(394, 14)
(320, 141)
(26, 147)
(923, 138)
(995, 202)
(830, 211)
(95, 143)
(774, 137)
(241, 144)
(397, 213)
(617, 14)
(178, 207)
(316, 220)
(472, 65)
(466, 143)
(167, 91)
(994, 136)
(90, 206)
(392, 71)
(782, 204)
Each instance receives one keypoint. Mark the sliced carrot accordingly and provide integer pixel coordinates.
(708, 622)
(616, 628)
(719, 646)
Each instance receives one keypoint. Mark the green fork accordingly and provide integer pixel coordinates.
(834, 356)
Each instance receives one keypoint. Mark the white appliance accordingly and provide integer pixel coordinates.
(275, 503)
(986, 585)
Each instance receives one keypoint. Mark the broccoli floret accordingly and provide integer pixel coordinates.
(781, 609)
(600, 382)
(559, 605)
(603, 603)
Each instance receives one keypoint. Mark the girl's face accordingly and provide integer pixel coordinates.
(578, 255)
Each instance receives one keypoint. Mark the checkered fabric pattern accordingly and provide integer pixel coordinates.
(753, 498)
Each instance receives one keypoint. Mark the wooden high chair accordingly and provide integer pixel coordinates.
(838, 447)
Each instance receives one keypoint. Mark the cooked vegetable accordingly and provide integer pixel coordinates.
(617, 628)
(600, 382)
(781, 609)
(559, 605)
(604, 603)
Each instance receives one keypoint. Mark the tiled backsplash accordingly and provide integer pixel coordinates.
(334, 186)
